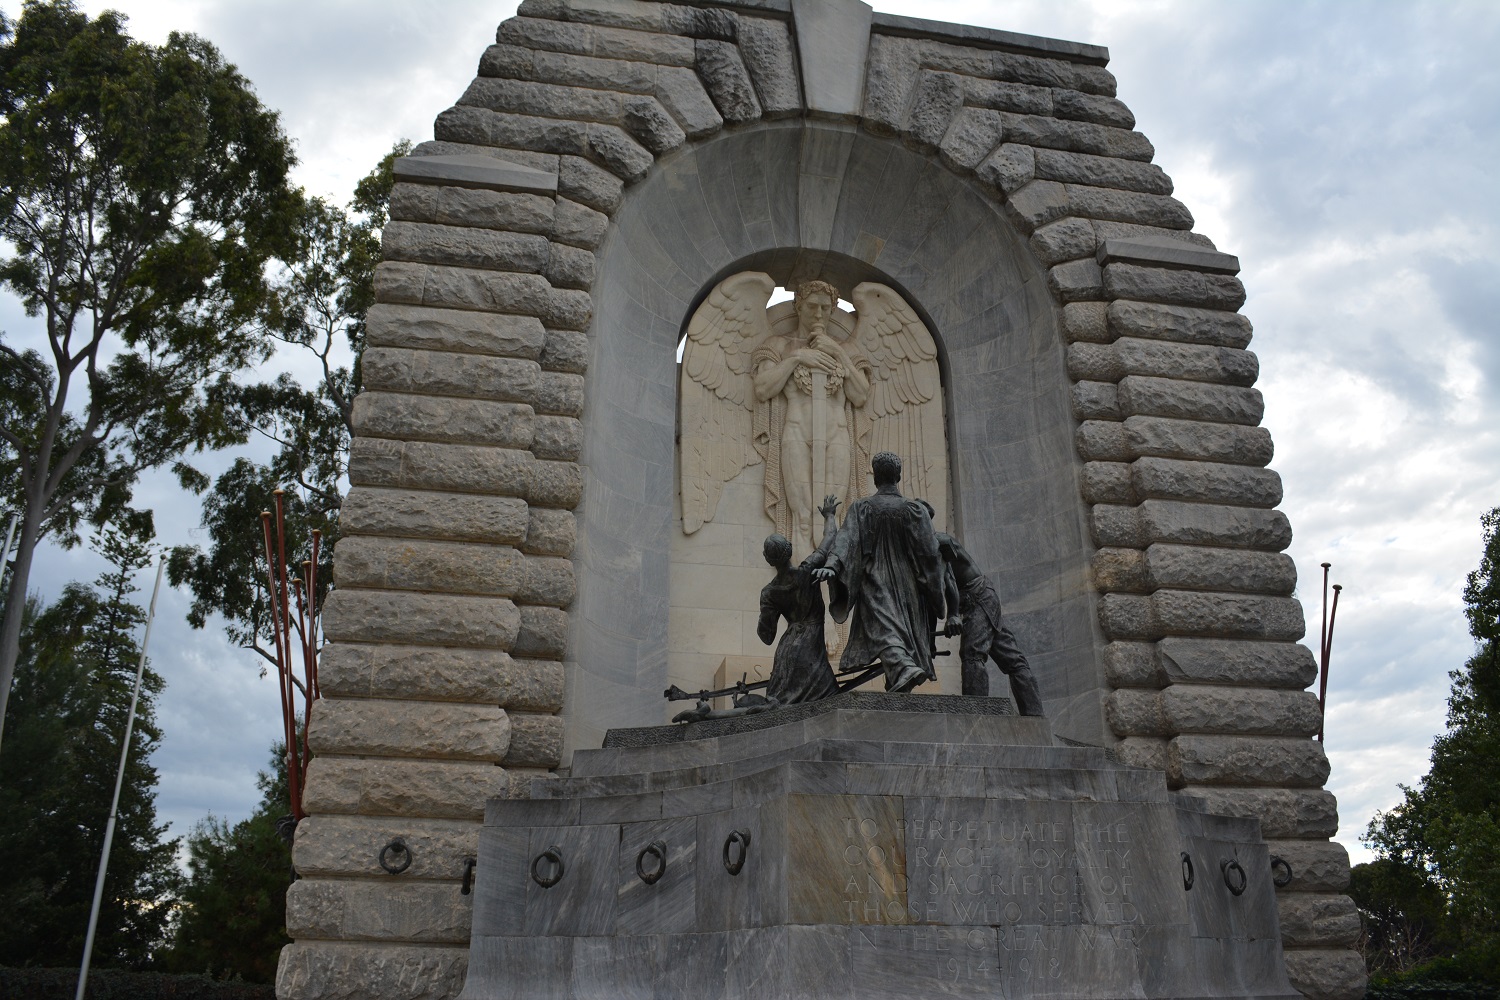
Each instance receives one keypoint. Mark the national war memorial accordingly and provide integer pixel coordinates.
(861, 234)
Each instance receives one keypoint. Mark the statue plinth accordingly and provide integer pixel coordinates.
(840, 849)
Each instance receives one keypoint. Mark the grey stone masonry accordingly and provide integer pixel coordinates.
(482, 539)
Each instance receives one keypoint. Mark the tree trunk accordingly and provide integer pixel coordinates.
(15, 603)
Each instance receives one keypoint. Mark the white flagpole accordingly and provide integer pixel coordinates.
(114, 806)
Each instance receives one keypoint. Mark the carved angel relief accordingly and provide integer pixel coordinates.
(810, 390)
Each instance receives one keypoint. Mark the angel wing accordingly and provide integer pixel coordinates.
(905, 407)
(717, 394)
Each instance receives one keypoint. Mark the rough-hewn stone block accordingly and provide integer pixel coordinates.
(1075, 281)
(1156, 321)
(1188, 523)
(1077, 137)
(725, 78)
(535, 741)
(329, 970)
(1210, 482)
(681, 93)
(1085, 321)
(1219, 710)
(345, 846)
(570, 267)
(435, 789)
(447, 373)
(1107, 441)
(1317, 865)
(482, 676)
(970, 137)
(767, 51)
(550, 533)
(544, 633)
(1134, 356)
(1193, 613)
(1091, 108)
(1229, 661)
(1163, 397)
(406, 283)
(566, 351)
(408, 729)
(1107, 482)
(1102, 171)
(1173, 286)
(611, 43)
(1068, 239)
(1095, 401)
(351, 615)
(453, 567)
(1286, 762)
(1327, 974)
(1009, 168)
(486, 249)
(367, 910)
(559, 394)
(1283, 812)
(443, 418)
(464, 469)
(1317, 920)
(418, 327)
(557, 438)
(937, 98)
(588, 183)
(474, 208)
(371, 510)
(578, 225)
(1106, 203)
(1197, 567)
(1143, 751)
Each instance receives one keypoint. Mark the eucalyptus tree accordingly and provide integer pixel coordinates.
(144, 191)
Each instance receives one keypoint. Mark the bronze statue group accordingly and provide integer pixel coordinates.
(891, 575)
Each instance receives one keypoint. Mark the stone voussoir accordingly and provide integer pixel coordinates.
(465, 517)
(351, 615)
(350, 846)
(380, 728)
(431, 789)
(366, 910)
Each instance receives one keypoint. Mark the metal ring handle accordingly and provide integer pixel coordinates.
(468, 883)
(1187, 871)
(1236, 884)
(554, 855)
(1283, 878)
(740, 839)
(658, 850)
(395, 849)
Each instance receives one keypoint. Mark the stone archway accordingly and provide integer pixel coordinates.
(494, 367)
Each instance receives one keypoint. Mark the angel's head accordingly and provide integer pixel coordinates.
(814, 302)
(778, 551)
(886, 467)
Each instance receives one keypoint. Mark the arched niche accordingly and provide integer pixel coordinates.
(802, 199)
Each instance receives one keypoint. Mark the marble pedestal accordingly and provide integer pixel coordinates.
(867, 849)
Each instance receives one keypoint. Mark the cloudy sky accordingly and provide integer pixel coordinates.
(1345, 151)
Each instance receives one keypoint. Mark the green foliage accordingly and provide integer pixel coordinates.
(57, 773)
(145, 190)
(233, 916)
(1446, 832)
(318, 304)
